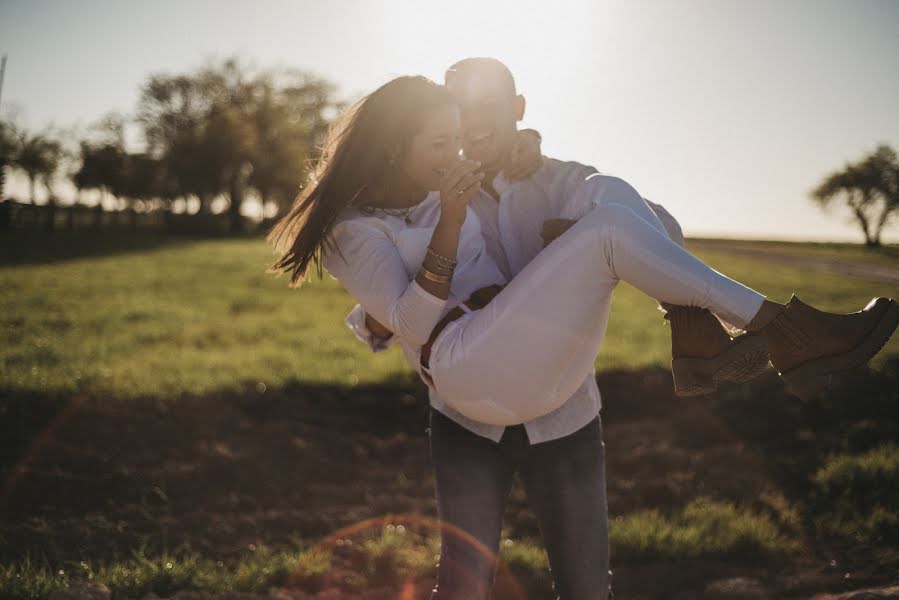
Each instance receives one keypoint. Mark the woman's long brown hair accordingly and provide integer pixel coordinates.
(362, 146)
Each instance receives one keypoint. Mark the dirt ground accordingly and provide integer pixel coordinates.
(92, 478)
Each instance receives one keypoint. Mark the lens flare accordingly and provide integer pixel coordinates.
(400, 524)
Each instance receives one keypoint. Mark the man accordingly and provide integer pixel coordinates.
(559, 456)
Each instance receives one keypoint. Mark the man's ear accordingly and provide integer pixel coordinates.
(519, 107)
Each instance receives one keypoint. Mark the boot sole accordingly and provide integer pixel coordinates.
(746, 359)
(817, 376)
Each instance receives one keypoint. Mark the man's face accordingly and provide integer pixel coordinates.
(490, 114)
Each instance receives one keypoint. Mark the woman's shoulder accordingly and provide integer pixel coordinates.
(352, 219)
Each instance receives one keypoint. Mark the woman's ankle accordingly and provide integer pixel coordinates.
(766, 313)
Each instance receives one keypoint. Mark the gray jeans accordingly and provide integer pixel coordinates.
(565, 484)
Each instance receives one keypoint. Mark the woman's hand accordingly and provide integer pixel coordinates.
(553, 228)
(459, 185)
(525, 157)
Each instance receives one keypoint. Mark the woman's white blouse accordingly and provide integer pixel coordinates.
(376, 257)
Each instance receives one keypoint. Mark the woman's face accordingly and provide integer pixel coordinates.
(434, 149)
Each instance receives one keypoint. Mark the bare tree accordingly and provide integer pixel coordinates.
(869, 188)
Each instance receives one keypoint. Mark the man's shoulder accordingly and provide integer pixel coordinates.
(557, 164)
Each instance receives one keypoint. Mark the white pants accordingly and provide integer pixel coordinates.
(527, 351)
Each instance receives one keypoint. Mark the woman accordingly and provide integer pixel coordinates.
(387, 215)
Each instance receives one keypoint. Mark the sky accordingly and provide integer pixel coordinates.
(727, 113)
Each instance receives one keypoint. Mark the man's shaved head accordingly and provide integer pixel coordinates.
(491, 109)
(469, 69)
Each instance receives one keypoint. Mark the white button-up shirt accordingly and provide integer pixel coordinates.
(511, 229)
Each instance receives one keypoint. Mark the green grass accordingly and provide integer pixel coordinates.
(858, 494)
(391, 555)
(193, 318)
(166, 318)
(703, 529)
(202, 316)
(168, 573)
(885, 256)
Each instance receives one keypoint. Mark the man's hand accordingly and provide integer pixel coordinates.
(553, 228)
(525, 157)
(376, 328)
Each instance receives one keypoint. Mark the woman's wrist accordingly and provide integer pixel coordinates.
(449, 222)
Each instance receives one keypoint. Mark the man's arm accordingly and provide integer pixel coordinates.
(377, 339)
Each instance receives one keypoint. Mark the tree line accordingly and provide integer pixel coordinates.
(225, 130)
(222, 131)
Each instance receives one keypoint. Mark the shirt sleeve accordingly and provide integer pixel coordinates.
(369, 266)
(356, 322)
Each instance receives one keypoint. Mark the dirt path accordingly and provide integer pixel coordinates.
(881, 273)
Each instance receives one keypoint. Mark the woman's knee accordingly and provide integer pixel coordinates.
(607, 219)
(608, 189)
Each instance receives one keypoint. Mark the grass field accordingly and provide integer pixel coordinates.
(200, 316)
(173, 417)
(886, 255)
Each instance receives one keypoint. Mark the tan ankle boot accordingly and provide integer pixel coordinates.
(703, 354)
(808, 346)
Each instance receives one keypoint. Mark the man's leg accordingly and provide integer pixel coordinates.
(565, 481)
(472, 479)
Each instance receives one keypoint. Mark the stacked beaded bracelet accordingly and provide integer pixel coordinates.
(444, 264)
(442, 261)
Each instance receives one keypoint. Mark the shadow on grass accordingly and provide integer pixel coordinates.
(92, 478)
(89, 477)
(19, 247)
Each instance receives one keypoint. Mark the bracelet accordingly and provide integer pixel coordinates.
(442, 260)
(440, 270)
(432, 276)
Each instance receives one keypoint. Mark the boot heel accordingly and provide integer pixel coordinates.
(691, 377)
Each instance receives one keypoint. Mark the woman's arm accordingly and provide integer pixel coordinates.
(372, 270)
(458, 186)
(369, 266)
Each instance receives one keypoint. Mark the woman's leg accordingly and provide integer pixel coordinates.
(702, 350)
(526, 352)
